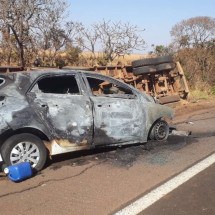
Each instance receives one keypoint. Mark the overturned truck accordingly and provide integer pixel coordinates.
(159, 77)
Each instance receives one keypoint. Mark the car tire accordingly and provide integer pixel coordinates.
(159, 131)
(152, 61)
(14, 151)
(165, 67)
(144, 70)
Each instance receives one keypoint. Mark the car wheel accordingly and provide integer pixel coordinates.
(160, 131)
(144, 70)
(152, 61)
(24, 148)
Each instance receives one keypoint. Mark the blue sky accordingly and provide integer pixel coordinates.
(155, 16)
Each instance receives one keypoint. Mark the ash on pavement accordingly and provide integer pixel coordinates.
(152, 152)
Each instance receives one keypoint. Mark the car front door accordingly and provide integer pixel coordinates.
(119, 116)
(65, 110)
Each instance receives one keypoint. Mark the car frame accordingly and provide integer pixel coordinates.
(58, 111)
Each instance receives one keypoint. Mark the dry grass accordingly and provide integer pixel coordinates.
(126, 59)
(196, 95)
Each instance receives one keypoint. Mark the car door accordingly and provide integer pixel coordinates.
(63, 107)
(118, 115)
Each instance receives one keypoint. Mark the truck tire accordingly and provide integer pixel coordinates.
(143, 62)
(152, 61)
(165, 67)
(144, 70)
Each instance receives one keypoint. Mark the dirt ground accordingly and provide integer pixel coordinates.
(104, 180)
(185, 107)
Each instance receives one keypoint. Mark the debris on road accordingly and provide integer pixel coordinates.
(19, 172)
(191, 123)
(181, 133)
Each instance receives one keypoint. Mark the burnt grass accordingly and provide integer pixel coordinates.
(153, 152)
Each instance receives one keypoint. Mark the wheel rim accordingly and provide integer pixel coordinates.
(161, 131)
(25, 152)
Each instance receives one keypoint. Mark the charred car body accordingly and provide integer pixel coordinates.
(63, 111)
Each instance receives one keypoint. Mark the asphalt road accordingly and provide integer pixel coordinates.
(194, 197)
(104, 181)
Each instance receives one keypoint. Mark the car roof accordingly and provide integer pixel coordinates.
(38, 72)
(35, 73)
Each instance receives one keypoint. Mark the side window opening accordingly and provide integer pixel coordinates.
(104, 87)
(57, 85)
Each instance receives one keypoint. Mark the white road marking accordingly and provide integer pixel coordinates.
(147, 200)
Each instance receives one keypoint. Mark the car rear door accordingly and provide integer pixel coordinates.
(118, 115)
(63, 107)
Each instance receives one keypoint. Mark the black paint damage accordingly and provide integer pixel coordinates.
(68, 122)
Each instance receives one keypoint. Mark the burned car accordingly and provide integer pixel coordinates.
(44, 113)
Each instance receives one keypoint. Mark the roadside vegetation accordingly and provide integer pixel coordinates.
(39, 32)
(194, 46)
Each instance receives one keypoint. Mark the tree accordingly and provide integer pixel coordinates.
(161, 50)
(53, 33)
(27, 23)
(194, 32)
(7, 48)
(118, 38)
(87, 39)
(16, 19)
(194, 39)
(47, 23)
(31, 28)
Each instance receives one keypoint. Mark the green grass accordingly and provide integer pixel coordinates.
(199, 95)
(213, 90)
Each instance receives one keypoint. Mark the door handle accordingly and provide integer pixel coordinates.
(104, 105)
(44, 106)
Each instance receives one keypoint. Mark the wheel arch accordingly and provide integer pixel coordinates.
(30, 130)
(151, 127)
(158, 112)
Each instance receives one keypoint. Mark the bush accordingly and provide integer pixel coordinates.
(38, 62)
(102, 61)
(72, 55)
(60, 63)
(196, 95)
(213, 90)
